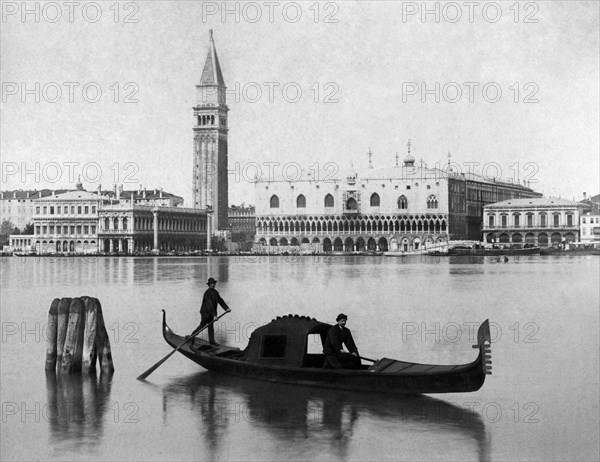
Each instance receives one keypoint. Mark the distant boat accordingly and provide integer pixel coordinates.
(277, 352)
(491, 252)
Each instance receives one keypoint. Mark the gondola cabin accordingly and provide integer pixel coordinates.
(289, 341)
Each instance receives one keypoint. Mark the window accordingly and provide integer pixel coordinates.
(301, 202)
(78, 229)
(407, 186)
(432, 202)
(45, 210)
(37, 210)
(72, 229)
(504, 221)
(93, 229)
(583, 220)
(93, 209)
(530, 220)
(569, 220)
(517, 219)
(351, 204)
(125, 223)
(375, 200)
(51, 229)
(58, 210)
(51, 210)
(86, 229)
(72, 210)
(273, 346)
(556, 218)
(402, 202)
(106, 223)
(329, 200)
(274, 202)
(87, 209)
(490, 221)
(79, 209)
(543, 220)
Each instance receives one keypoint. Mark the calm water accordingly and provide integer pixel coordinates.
(541, 403)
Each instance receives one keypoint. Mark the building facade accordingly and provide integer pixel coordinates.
(67, 222)
(399, 209)
(242, 223)
(537, 221)
(129, 228)
(210, 182)
(589, 227)
(17, 206)
(82, 222)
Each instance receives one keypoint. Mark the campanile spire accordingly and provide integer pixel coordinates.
(210, 186)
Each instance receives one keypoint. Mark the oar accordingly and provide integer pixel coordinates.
(157, 365)
(369, 359)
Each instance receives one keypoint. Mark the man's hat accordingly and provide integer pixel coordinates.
(211, 281)
(341, 316)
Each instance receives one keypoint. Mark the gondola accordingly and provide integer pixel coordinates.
(278, 352)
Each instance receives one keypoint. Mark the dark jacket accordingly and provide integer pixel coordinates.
(210, 301)
(336, 336)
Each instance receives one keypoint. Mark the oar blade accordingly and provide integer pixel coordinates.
(156, 366)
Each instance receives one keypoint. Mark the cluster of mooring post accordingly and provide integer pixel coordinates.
(77, 337)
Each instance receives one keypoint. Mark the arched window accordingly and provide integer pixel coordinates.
(106, 224)
(301, 202)
(274, 202)
(329, 200)
(402, 202)
(375, 200)
(432, 202)
(351, 204)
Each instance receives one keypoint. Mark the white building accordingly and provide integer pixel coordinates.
(589, 226)
(537, 221)
(67, 222)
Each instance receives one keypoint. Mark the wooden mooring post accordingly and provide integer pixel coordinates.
(77, 337)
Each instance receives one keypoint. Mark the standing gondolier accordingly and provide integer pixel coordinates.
(208, 310)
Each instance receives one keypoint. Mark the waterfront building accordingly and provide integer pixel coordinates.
(20, 243)
(242, 223)
(210, 182)
(401, 208)
(589, 225)
(67, 222)
(143, 196)
(117, 221)
(537, 221)
(130, 228)
(17, 206)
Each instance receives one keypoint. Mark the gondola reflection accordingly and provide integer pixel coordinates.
(329, 418)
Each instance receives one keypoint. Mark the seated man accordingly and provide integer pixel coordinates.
(337, 336)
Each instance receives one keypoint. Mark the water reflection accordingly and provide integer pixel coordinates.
(76, 407)
(325, 420)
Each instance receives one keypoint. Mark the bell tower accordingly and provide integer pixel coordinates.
(210, 188)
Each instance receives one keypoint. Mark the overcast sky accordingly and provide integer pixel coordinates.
(361, 68)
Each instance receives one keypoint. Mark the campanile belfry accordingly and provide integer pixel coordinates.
(210, 187)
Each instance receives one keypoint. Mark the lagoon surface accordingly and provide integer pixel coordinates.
(541, 403)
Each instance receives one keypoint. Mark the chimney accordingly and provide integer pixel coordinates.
(99, 189)
(144, 193)
(584, 196)
(14, 194)
(161, 191)
(139, 189)
(28, 194)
